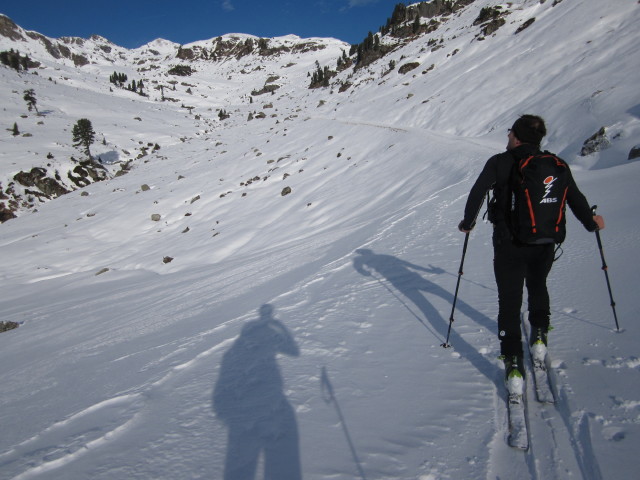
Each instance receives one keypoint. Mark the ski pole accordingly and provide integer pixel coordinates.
(605, 268)
(455, 297)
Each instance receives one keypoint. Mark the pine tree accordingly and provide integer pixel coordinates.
(416, 24)
(30, 98)
(325, 76)
(368, 43)
(14, 60)
(24, 61)
(83, 135)
(15, 131)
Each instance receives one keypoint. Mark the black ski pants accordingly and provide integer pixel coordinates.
(514, 266)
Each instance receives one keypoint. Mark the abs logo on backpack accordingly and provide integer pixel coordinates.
(548, 184)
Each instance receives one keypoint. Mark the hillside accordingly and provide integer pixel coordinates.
(331, 209)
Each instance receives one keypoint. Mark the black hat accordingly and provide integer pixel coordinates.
(527, 133)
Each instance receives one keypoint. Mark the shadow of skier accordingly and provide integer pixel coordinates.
(248, 397)
(403, 278)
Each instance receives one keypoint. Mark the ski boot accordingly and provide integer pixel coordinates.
(514, 375)
(538, 345)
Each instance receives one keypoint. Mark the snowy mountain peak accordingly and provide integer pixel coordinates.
(160, 44)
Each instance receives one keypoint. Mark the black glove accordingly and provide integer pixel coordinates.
(463, 227)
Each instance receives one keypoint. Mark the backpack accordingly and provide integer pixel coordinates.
(538, 185)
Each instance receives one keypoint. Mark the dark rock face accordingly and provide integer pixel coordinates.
(595, 143)
(45, 185)
(6, 326)
(5, 214)
(634, 153)
(37, 178)
(9, 29)
(407, 67)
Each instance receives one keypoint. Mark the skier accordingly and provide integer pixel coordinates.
(516, 262)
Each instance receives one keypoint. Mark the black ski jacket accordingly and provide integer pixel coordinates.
(495, 175)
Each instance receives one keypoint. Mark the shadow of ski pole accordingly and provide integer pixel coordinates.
(329, 397)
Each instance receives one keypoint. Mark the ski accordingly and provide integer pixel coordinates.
(544, 393)
(518, 433)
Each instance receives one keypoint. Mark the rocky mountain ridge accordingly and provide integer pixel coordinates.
(97, 49)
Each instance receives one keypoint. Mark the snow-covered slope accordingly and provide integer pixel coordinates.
(151, 348)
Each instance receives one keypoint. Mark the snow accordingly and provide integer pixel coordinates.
(311, 324)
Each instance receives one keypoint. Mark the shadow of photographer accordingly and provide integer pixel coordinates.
(249, 398)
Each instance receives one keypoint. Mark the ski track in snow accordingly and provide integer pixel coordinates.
(67, 440)
(553, 430)
(86, 431)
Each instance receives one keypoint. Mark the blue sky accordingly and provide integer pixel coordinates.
(133, 23)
